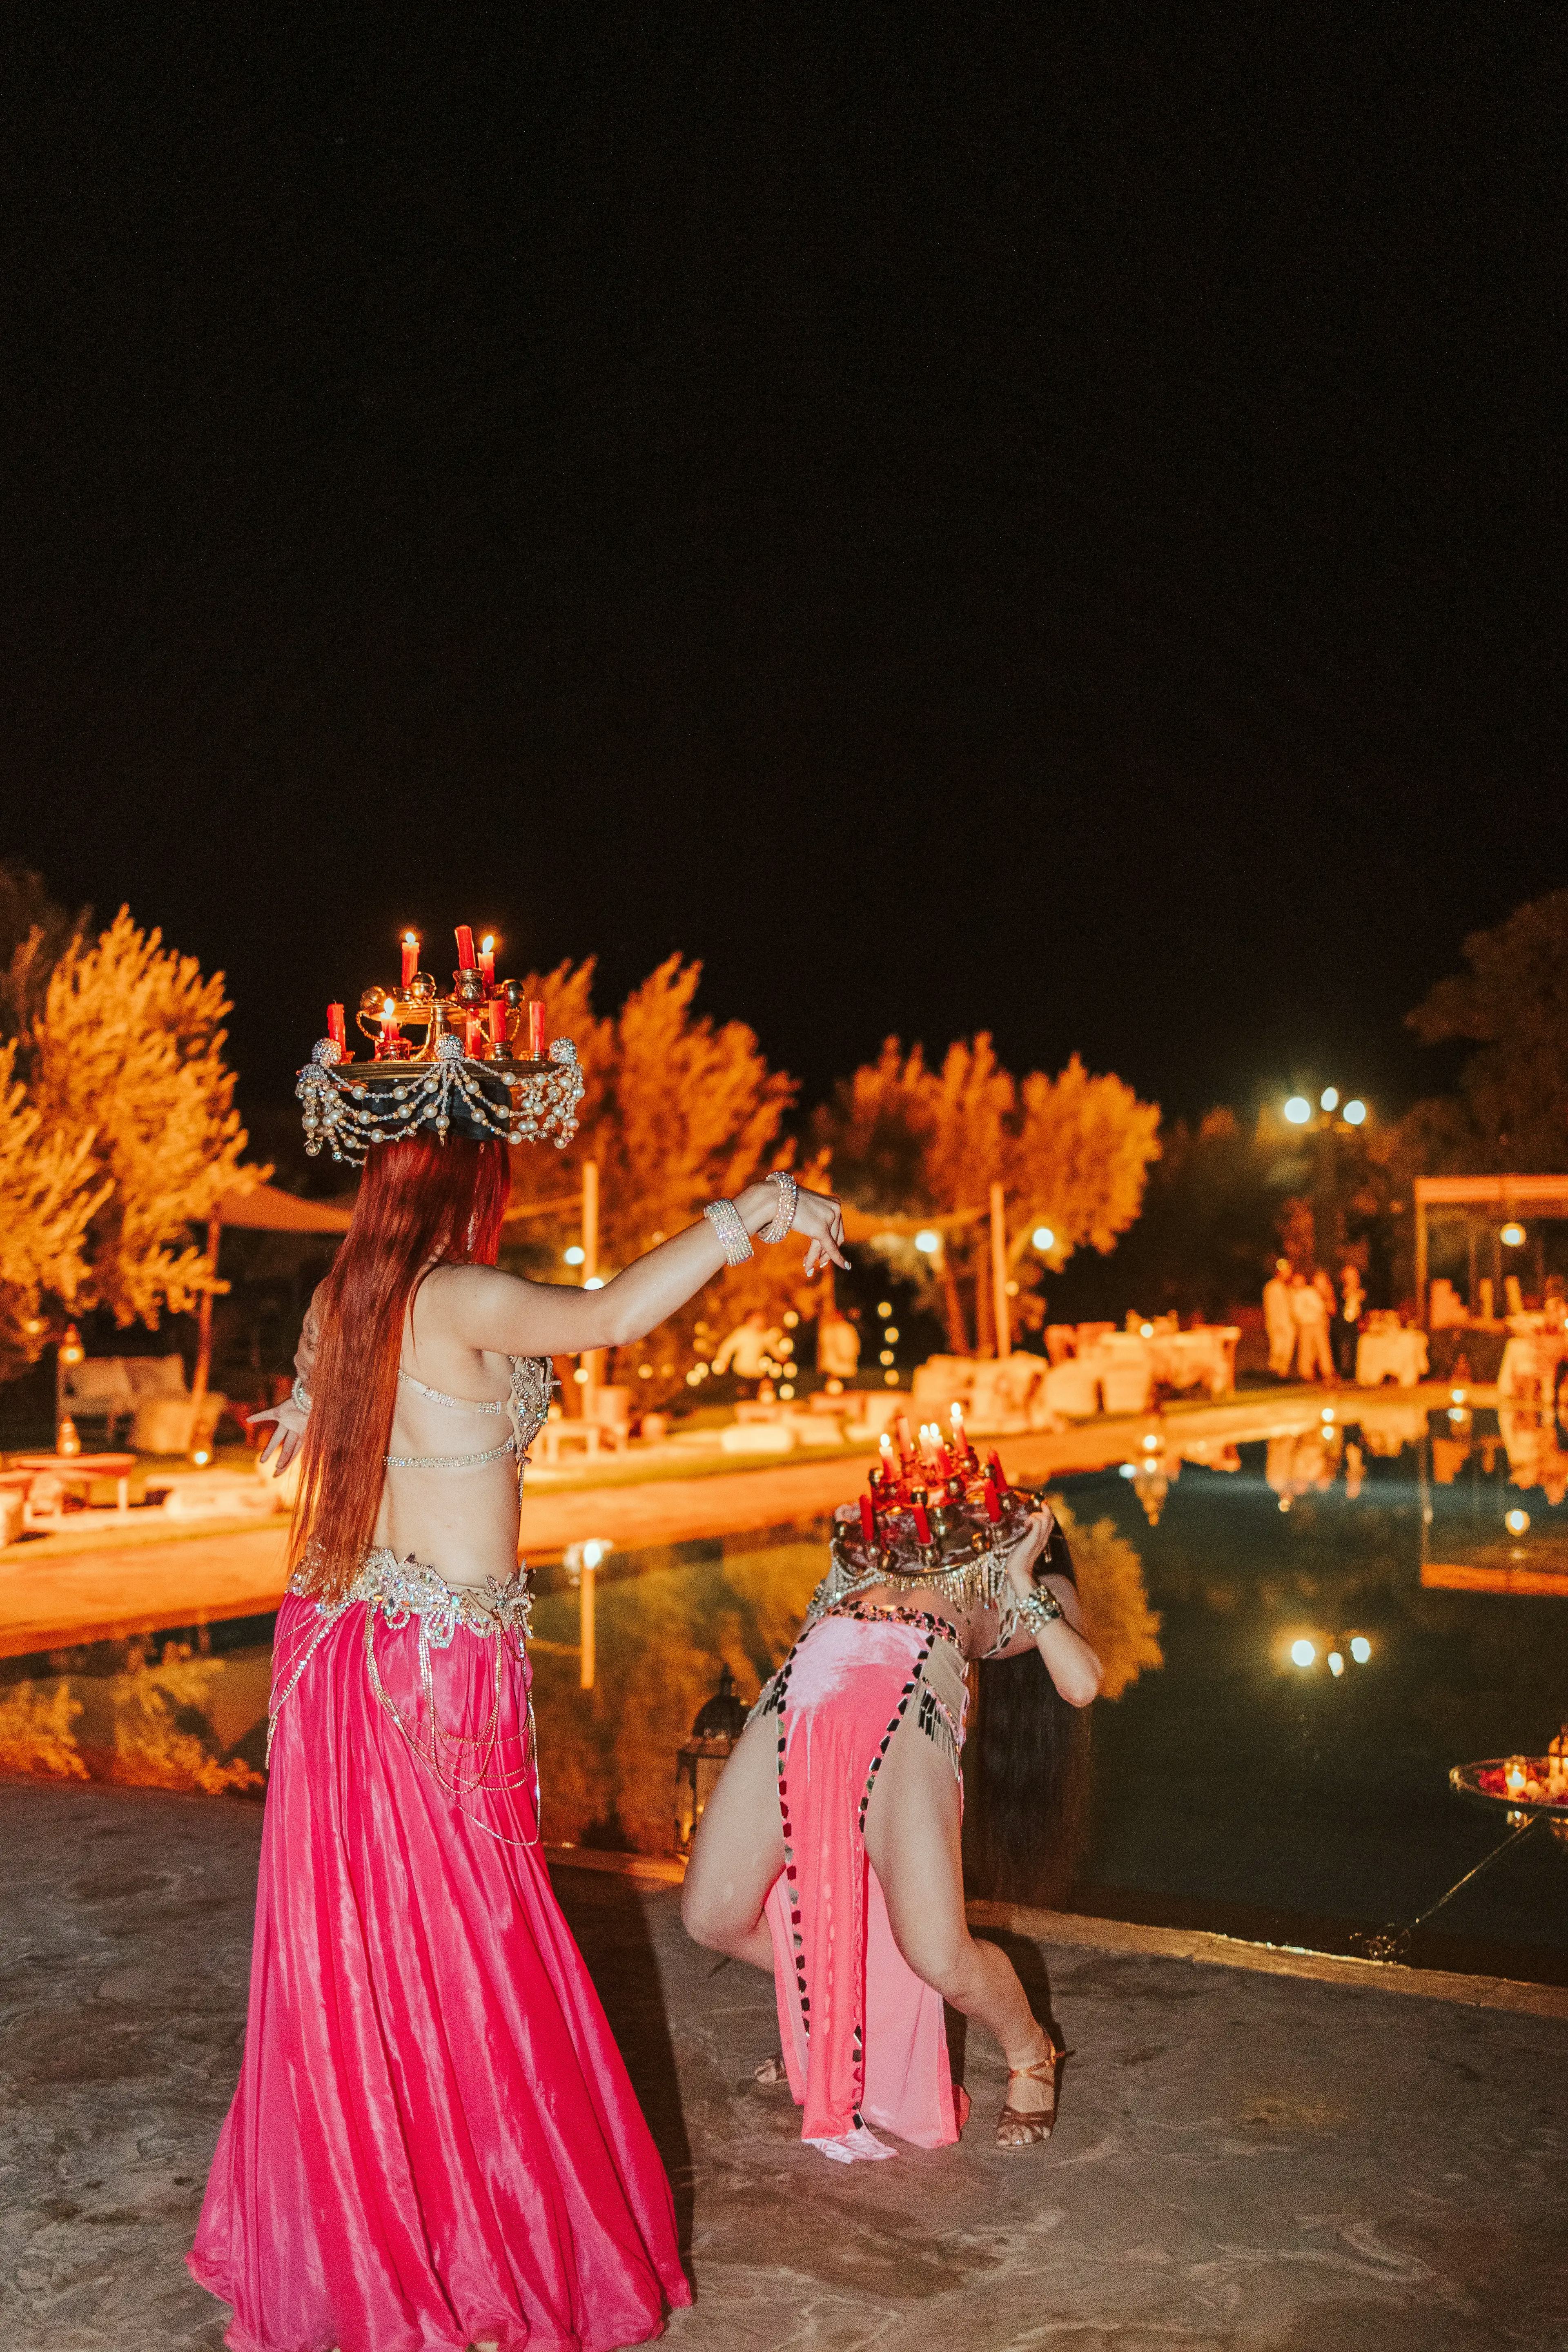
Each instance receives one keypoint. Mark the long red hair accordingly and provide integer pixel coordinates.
(420, 1201)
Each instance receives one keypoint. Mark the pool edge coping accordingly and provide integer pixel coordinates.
(1200, 1945)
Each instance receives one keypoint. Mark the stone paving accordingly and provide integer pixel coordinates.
(1243, 2160)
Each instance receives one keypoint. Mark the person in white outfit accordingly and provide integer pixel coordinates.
(749, 1348)
(1313, 1360)
(1279, 1321)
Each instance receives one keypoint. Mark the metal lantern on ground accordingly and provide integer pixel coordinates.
(720, 1722)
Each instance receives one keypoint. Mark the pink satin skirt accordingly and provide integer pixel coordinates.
(864, 2039)
(434, 2138)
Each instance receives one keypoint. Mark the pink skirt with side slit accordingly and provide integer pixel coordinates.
(864, 2039)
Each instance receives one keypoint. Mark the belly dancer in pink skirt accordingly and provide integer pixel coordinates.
(434, 2143)
(829, 1853)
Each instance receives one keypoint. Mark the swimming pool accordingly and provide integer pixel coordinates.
(1233, 1786)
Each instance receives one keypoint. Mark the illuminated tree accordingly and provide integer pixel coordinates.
(125, 1072)
(33, 934)
(677, 1110)
(1071, 1154)
(50, 1188)
(1512, 1002)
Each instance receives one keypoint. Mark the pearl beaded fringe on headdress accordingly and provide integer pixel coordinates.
(349, 1106)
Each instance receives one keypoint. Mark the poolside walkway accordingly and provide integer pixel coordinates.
(85, 1585)
(1245, 2162)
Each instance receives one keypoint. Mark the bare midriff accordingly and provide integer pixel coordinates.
(463, 1523)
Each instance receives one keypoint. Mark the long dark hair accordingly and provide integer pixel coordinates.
(1027, 1778)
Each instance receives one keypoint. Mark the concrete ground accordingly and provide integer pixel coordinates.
(1244, 2159)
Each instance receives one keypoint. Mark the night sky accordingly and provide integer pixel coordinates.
(1045, 519)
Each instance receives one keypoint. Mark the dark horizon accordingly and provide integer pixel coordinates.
(958, 522)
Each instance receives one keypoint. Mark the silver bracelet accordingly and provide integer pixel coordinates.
(1037, 1610)
(783, 1215)
(301, 1393)
(733, 1239)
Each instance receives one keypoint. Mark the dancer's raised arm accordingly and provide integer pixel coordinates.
(1059, 1638)
(490, 1309)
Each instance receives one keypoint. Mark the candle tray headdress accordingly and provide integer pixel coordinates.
(483, 1068)
(935, 1518)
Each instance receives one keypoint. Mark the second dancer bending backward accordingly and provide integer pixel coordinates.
(830, 1852)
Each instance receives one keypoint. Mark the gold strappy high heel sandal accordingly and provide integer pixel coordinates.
(1026, 2127)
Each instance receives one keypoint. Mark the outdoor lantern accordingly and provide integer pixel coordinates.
(720, 1722)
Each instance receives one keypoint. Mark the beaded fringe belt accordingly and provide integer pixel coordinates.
(400, 1592)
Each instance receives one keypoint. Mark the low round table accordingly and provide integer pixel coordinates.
(83, 1468)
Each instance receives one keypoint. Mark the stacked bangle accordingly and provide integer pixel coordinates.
(733, 1239)
(783, 1215)
(1037, 1610)
(302, 1394)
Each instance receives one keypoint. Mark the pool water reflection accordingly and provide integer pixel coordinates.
(1234, 1786)
(1243, 1788)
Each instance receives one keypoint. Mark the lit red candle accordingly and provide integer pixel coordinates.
(389, 1030)
(336, 1030)
(488, 960)
(922, 1525)
(465, 947)
(868, 1519)
(885, 1449)
(535, 1030)
(410, 957)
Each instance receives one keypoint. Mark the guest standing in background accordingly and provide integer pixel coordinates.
(1348, 1321)
(747, 1350)
(1279, 1321)
(1313, 1361)
(837, 1348)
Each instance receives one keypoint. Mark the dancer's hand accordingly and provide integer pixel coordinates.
(287, 1437)
(820, 1216)
(1029, 1548)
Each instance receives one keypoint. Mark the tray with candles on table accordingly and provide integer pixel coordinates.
(1520, 1784)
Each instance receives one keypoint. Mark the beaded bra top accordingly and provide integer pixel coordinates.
(526, 1407)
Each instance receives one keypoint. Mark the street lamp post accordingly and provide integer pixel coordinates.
(1333, 1117)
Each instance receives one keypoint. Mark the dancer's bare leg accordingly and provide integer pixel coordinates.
(913, 1826)
(738, 1853)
